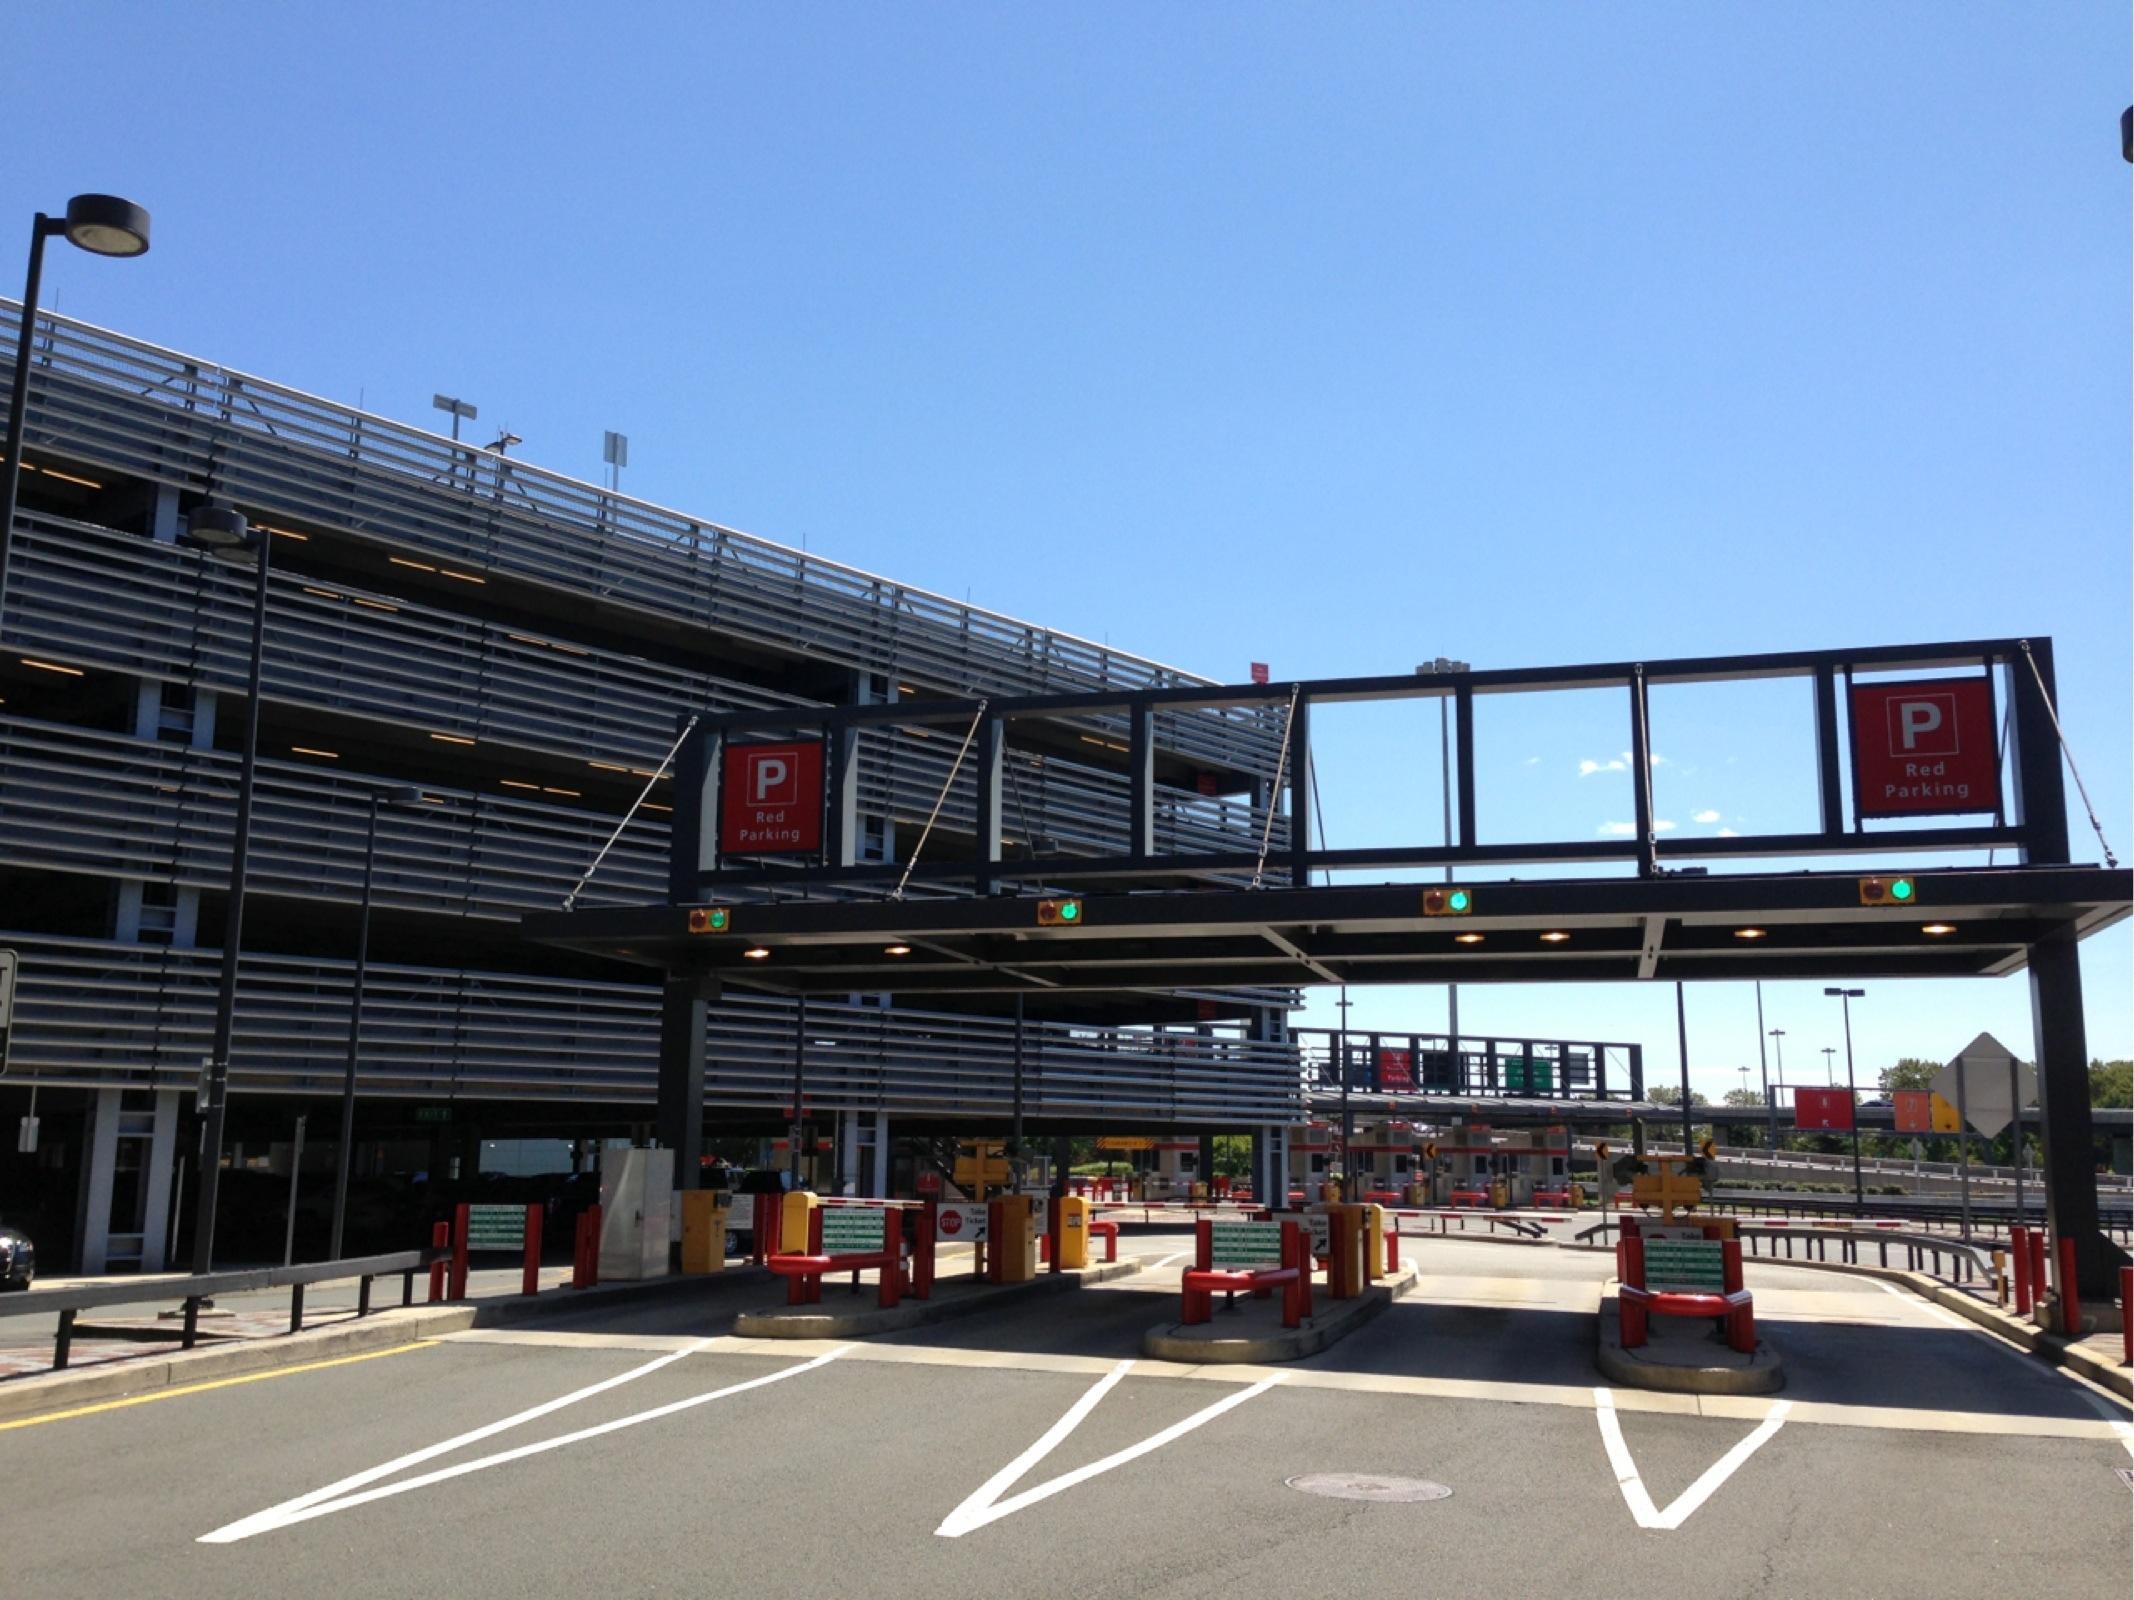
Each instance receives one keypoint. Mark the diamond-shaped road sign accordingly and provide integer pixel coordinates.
(1978, 1080)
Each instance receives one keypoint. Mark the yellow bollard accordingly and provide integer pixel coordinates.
(1073, 1242)
(1374, 1242)
(793, 1213)
(703, 1230)
(1013, 1244)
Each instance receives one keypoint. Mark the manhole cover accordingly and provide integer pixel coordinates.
(1369, 1486)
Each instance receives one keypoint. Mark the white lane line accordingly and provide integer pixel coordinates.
(1168, 1260)
(2113, 1415)
(274, 1516)
(983, 1507)
(1684, 1505)
(313, 1506)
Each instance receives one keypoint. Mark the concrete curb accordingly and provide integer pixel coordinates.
(1171, 1341)
(1765, 1373)
(809, 1322)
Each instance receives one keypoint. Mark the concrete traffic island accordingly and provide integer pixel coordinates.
(1683, 1355)
(952, 1297)
(1249, 1330)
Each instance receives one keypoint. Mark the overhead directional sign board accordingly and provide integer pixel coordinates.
(1978, 1080)
(1824, 1110)
(1924, 747)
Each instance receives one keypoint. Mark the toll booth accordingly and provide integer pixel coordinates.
(1386, 1156)
(1177, 1169)
(1311, 1157)
(1513, 1168)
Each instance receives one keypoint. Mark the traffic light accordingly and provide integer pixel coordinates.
(711, 919)
(1059, 913)
(1448, 902)
(1888, 891)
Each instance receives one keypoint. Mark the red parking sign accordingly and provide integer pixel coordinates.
(770, 798)
(1924, 747)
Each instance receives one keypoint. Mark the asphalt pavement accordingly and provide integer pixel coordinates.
(640, 1449)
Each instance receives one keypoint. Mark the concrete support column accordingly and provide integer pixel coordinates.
(851, 1141)
(878, 1185)
(679, 1120)
(100, 1150)
(155, 1180)
(2064, 1112)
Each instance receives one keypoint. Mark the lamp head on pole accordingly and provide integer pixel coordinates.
(1847, 994)
(105, 225)
(220, 530)
(397, 794)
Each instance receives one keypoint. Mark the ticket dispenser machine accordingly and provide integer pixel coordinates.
(704, 1213)
(1012, 1226)
(636, 1206)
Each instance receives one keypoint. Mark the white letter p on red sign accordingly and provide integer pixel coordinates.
(1916, 719)
(769, 773)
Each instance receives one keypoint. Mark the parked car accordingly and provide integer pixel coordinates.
(18, 1259)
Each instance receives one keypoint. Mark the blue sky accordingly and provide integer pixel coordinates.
(1336, 337)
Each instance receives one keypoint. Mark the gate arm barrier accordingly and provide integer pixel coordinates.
(803, 1271)
(1292, 1275)
(1636, 1303)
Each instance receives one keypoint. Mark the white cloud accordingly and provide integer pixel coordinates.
(1663, 826)
(1705, 817)
(1728, 833)
(1587, 768)
(1618, 830)
(1533, 761)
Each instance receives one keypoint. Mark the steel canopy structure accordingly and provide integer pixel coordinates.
(1154, 919)
(1800, 925)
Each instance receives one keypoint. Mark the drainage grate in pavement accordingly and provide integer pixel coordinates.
(1369, 1486)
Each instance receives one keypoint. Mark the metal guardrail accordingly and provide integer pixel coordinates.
(103, 1014)
(84, 595)
(190, 1291)
(1952, 1261)
(103, 399)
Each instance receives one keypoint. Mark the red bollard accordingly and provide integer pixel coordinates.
(2038, 1281)
(530, 1276)
(2070, 1294)
(2019, 1251)
(459, 1252)
(440, 1239)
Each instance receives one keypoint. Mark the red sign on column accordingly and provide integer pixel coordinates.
(1825, 1110)
(1913, 1110)
(1924, 748)
(1259, 672)
(770, 798)
(1396, 1069)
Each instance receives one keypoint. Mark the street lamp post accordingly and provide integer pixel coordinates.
(1830, 1068)
(222, 531)
(1763, 1067)
(1845, 998)
(1444, 750)
(103, 225)
(1779, 1049)
(397, 795)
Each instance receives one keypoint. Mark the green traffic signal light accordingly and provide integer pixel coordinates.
(1900, 889)
(1070, 911)
(1460, 899)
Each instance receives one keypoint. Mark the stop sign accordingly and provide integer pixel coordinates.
(951, 1223)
